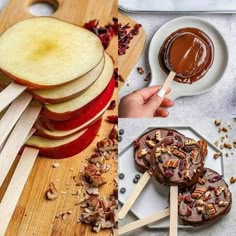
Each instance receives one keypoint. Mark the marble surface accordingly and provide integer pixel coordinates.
(226, 226)
(219, 102)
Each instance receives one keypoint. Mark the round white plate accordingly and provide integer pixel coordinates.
(210, 79)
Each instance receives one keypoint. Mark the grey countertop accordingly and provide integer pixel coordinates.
(219, 102)
(205, 126)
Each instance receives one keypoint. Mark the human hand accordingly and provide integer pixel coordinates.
(145, 103)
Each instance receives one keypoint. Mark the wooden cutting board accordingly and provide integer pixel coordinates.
(33, 214)
(129, 60)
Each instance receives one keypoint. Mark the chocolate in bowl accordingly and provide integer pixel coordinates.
(189, 52)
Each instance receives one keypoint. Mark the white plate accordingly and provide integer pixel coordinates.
(211, 78)
(155, 196)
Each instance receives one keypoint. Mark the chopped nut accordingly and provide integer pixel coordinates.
(140, 70)
(232, 180)
(189, 142)
(201, 180)
(224, 129)
(172, 163)
(200, 203)
(194, 154)
(222, 204)
(92, 191)
(206, 196)
(211, 209)
(227, 145)
(217, 122)
(55, 165)
(51, 193)
(200, 210)
(198, 192)
(179, 154)
(216, 155)
(187, 174)
(158, 135)
(142, 153)
(219, 190)
(150, 143)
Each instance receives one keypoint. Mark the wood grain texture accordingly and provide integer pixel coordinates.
(129, 60)
(34, 215)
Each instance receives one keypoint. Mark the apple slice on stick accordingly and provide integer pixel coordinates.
(36, 47)
(16, 186)
(173, 231)
(12, 115)
(143, 222)
(134, 195)
(17, 139)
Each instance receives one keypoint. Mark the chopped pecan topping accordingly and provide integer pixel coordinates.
(158, 135)
(186, 174)
(52, 193)
(179, 154)
(232, 180)
(107, 145)
(172, 163)
(200, 209)
(206, 196)
(222, 204)
(203, 146)
(219, 190)
(150, 143)
(200, 203)
(198, 192)
(217, 122)
(189, 142)
(194, 154)
(142, 153)
(211, 209)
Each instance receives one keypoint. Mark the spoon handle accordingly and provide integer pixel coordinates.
(161, 93)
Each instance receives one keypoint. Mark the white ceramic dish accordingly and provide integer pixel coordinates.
(155, 196)
(211, 78)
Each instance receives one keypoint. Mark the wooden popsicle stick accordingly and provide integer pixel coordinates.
(16, 186)
(167, 84)
(173, 231)
(142, 222)
(17, 138)
(134, 195)
(10, 93)
(12, 115)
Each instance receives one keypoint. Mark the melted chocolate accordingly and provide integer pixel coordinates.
(189, 52)
(177, 160)
(210, 204)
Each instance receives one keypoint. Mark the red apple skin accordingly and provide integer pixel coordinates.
(91, 105)
(75, 147)
(80, 119)
(40, 132)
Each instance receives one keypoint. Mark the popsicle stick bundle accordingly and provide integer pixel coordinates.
(198, 195)
(56, 82)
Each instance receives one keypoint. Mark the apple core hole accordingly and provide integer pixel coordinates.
(43, 8)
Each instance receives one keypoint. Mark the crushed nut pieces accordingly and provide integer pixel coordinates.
(51, 193)
(172, 163)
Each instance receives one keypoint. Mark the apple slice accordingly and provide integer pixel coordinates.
(67, 147)
(61, 134)
(76, 106)
(100, 104)
(69, 91)
(44, 52)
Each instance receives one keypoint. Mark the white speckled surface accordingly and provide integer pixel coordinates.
(205, 126)
(219, 102)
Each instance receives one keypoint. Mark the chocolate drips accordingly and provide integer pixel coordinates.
(189, 52)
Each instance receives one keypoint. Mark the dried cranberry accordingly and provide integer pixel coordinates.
(191, 205)
(168, 141)
(182, 165)
(168, 174)
(205, 216)
(113, 119)
(189, 212)
(148, 137)
(112, 105)
(211, 188)
(217, 200)
(187, 149)
(179, 144)
(136, 144)
(215, 178)
(180, 174)
(170, 133)
(187, 199)
(178, 138)
(193, 188)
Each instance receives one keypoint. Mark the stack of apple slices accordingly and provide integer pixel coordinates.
(64, 67)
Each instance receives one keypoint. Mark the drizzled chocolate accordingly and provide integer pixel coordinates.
(189, 52)
(144, 145)
(207, 200)
(177, 160)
